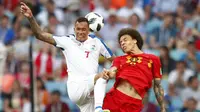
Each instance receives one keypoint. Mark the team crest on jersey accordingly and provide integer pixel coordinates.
(93, 48)
(133, 60)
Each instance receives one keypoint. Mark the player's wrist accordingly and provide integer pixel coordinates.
(31, 17)
(163, 107)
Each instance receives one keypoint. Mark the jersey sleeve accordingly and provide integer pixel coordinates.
(62, 41)
(157, 71)
(105, 50)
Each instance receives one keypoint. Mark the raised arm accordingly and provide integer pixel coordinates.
(39, 34)
(159, 93)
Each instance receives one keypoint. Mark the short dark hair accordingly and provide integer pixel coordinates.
(5, 17)
(133, 33)
(51, 2)
(191, 79)
(82, 19)
(56, 92)
(165, 48)
(42, 82)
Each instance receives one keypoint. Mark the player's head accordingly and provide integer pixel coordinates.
(81, 29)
(130, 40)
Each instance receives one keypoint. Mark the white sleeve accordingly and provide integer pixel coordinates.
(105, 51)
(172, 77)
(62, 41)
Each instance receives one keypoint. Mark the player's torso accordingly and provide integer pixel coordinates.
(142, 62)
(135, 71)
(136, 66)
(82, 57)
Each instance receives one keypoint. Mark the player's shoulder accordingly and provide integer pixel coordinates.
(98, 41)
(71, 36)
(121, 57)
(94, 37)
(152, 56)
(65, 36)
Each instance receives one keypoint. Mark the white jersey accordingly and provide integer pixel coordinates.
(82, 57)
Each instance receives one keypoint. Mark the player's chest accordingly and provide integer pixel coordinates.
(137, 62)
(85, 49)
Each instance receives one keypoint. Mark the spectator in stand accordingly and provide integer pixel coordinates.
(50, 8)
(45, 61)
(192, 57)
(110, 30)
(168, 64)
(173, 99)
(163, 7)
(180, 75)
(6, 32)
(54, 26)
(26, 102)
(56, 104)
(3, 56)
(190, 105)
(125, 12)
(43, 95)
(13, 100)
(20, 47)
(165, 34)
(104, 9)
(23, 76)
(192, 90)
(136, 21)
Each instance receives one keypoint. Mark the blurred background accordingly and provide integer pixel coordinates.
(170, 30)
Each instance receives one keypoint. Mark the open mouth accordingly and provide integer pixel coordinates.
(124, 47)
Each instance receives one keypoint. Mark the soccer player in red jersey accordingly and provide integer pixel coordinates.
(134, 73)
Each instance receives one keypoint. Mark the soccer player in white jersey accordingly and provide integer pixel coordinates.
(82, 52)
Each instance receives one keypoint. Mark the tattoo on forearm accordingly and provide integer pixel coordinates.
(46, 37)
(35, 27)
(159, 93)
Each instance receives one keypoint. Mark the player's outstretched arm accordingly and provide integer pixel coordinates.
(41, 35)
(106, 74)
(159, 93)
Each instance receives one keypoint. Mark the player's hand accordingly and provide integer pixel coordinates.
(25, 10)
(104, 74)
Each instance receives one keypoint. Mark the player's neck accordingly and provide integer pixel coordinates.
(136, 51)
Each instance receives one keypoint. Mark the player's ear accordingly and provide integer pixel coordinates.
(134, 41)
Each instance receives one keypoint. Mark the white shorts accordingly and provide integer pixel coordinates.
(80, 91)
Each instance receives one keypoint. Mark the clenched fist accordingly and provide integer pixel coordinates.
(25, 10)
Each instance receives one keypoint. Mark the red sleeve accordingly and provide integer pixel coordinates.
(157, 72)
(116, 63)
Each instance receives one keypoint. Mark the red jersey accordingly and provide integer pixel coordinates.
(139, 70)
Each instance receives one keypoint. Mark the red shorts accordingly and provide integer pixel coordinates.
(117, 101)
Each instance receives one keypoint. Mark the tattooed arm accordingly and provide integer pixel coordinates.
(159, 93)
(41, 35)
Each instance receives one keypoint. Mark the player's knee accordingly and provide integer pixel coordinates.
(74, 98)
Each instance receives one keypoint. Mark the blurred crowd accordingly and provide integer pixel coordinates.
(170, 30)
